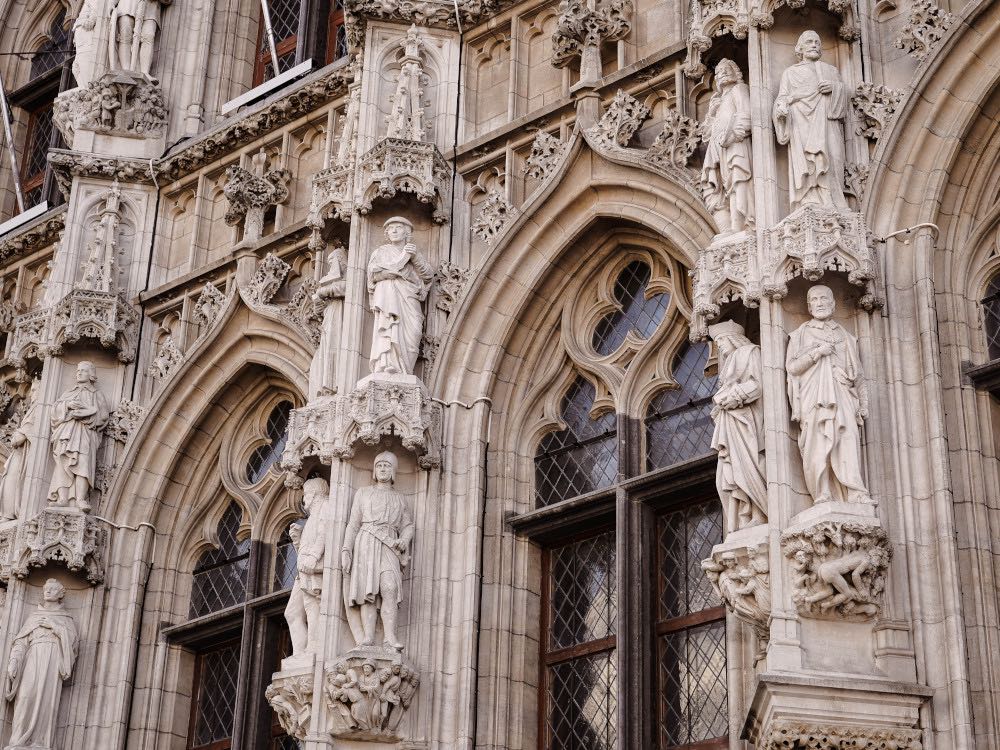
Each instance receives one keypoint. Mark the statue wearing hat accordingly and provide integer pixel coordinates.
(399, 278)
(375, 552)
(739, 428)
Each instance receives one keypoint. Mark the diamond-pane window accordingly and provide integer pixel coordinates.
(54, 51)
(220, 578)
(991, 317)
(685, 538)
(36, 151)
(583, 457)
(679, 421)
(584, 595)
(583, 702)
(265, 456)
(285, 563)
(215, 699)
(636, 312)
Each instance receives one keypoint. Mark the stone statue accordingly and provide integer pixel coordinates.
(826, 391)
(739, 428)
(727, 176)
(134, 26)
(78, 420)
(309, 539)
(399, 278)
(41, 659)
(808, 117)
(85, 45)
(14, 476)
(406, 116)
(375, 552)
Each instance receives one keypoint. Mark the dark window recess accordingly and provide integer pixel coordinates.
(636, 312)
(265, 456)
(691, 630)
(35, 157)
(285, 563)
(581, 458)
(54, 52)
(580, 606)
(302, 29)
(991, 317)
(220, 578)
(679, 421)
(216, 674)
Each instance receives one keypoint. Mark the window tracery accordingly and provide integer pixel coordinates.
(267, 455)
(991, 317)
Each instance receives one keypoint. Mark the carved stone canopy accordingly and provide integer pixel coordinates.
(396, 165)
(55, 535)
(726, 271)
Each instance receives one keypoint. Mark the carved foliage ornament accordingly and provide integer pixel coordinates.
(924, 28)
(583, 26)
(124, 420)
(168, 356)
(494, 214)
(676, 142)
(208, 306)
(251, 193)
(620, 122)
(797, 735)
(451, 283)
(875, 106)
(546, 153)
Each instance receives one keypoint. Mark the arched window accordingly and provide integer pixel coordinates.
(679, 420)
(991, 317)
(636, 312)
(220, 578)
(266, 456)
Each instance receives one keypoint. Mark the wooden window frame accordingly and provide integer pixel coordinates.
(33, 97)
(315, 38)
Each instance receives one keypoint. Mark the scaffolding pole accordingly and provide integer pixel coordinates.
(266, 15)
(9, 137)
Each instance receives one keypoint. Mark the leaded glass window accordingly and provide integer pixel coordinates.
(215, 697)
(581, 674)
(636, 313)
(220, 578)
(328, 43)
(35, 156)
(679, 420)
(54, 51)
(285, 563)
(581, 458)
(265, 456)
(991, 317)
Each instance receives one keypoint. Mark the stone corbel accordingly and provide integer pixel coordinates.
(120, 103)
(55, 535)
(583, 27)
(290, 695)
(368, 692)
(739, 572)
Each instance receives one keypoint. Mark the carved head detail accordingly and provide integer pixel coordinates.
(809, 46)
(728, 336)
(385, 467)
(314, 490)
(53, 591)
(821, 302)
(727, 73)
(398, 229)
(86, 372)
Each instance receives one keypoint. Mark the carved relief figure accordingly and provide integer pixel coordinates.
(376, 550)
(399, 278)
(78, 419)
(826, 391)
(84, 43)
(134, 25)
(739, 428)
(13, 478)
(726, 175)
(808, 117)
(41, 659)
(309, 539)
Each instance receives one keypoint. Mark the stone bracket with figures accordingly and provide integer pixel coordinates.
(739, 571)
(120, 103)
(55, 535)
(367, 692)
(290, 694)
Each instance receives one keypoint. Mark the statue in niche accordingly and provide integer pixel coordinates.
(134, 27)
(808, 118)
(826, 391)
(399, 278)
(14, 478)
(309, 539)
(739, 428)
(376, 550)
(78, 420)
(85, 45)
(41, 659)
(726, 175)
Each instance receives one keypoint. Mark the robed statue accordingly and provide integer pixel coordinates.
(376, 550)
(134, 27)
(309, 540)
(13, 480)
(399, 278)
(738, 438)
(78, 420)
(826, 391)
(809, 118)
(726, 175)
(41, 659)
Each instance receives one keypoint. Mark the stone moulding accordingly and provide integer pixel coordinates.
(396, 165)
(798, 735)
(55, 535)
(726, 271)
(290, 695)
(815, 239)
(368, 692)
(46, 230)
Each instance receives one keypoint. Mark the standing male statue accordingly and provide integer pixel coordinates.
(826, 391)
(726, 174)
(134, 25)
(808, 117)
(399, 278)
(739, 428)
(14, 478)
(376, 550)
(309, 539)
(41, 659)
(78, 420)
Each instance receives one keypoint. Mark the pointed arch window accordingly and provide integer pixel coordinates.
(267, 455)
(220, 578)
(991, 317)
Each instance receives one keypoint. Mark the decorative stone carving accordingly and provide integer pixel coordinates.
(395, 165)
(727, 172)
(495, 213)
(46, 230)
(429, 346)
(29, 340)
(620, 122)
(78, 421)
(855, 179)
(60, 535)
(546, 153)
(406, 107)
(266, 280)
(302, 610)
(434, 13)
(797, 735)
(839, 568)
(451, 283)
(208, 306)
(85, 45)
(816, 239)
(306, 309)
(291, 698)
(168, 356)
(742, 579)
(583, 26)
(875, 106)
(333, 187)
(251, 193)
(399, 278)
(42, 656)
(313, 432)
(727, 270)
(124, 420)
(118, 103)
(368, 694)
(675, 144)
(808, 118)
(828, 397)
(925, 27)
(102, 316)
(400, 406)
(738, 413)
(135, 25)
(14, 478)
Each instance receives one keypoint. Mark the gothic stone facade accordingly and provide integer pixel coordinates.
(504, 375)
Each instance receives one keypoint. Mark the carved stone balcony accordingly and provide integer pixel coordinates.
(56, 535)
(727, 271)
(397, 165)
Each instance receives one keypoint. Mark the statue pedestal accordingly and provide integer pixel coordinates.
(290, 694)
(739, 571)
(367, 692)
